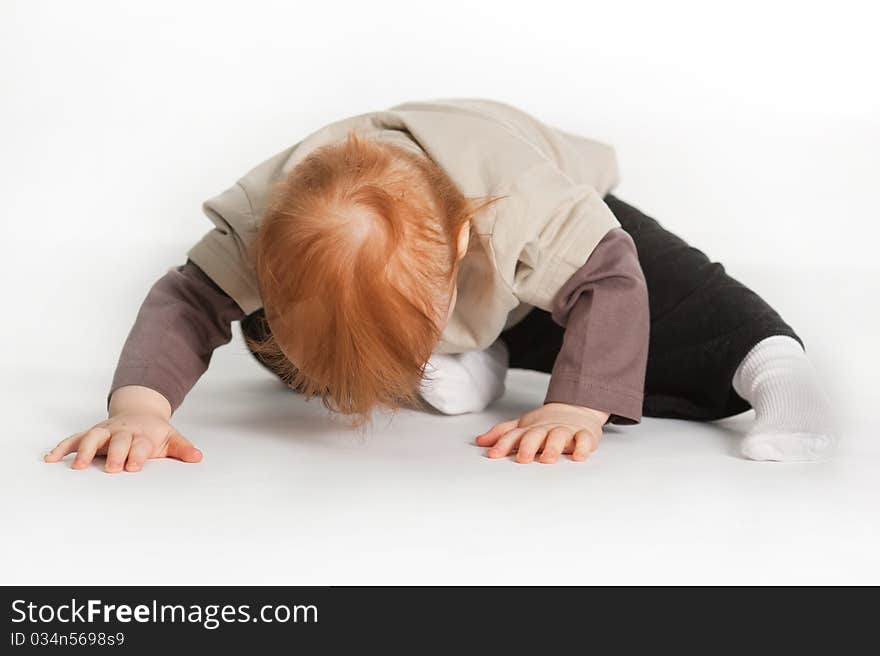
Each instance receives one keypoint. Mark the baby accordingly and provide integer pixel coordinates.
(408, 257)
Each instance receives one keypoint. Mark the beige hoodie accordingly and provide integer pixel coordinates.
(532, 241)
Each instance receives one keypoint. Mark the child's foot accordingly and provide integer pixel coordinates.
(465, 382)
(793, 419)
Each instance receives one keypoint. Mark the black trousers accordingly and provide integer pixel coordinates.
(703, 322)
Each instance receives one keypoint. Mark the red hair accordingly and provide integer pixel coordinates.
(356, 259)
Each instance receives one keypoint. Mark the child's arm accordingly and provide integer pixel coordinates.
(604, 310)
(184, 317)
(599, 372)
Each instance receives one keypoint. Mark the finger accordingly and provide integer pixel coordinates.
(181, 448)
(491, 436)
(530, 443)
(557, 439)
(595, 438)
(117, 451)
(89, 445)
(64, 447)
(583, 445)
(141, 449)
(507, 443)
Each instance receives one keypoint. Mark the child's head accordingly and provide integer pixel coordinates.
(356, 259)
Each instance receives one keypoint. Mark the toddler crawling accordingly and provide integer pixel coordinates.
(408, 257)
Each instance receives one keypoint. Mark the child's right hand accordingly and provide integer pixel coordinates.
(138, 428)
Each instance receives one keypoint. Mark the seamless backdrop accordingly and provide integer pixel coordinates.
(751, 128)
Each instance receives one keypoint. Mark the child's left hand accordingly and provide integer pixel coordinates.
(553, 429)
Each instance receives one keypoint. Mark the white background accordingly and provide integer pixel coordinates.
(752, 130)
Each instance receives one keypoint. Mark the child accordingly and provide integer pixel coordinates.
(409, 256)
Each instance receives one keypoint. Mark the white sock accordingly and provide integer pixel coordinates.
(793, 419)
(456, 383)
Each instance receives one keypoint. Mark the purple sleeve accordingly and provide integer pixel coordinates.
(184, 317)
(604, 310)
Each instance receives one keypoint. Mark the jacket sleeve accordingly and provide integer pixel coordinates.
(224, 253)
(604, 310)
(184, 317)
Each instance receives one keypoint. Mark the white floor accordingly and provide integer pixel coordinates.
(285, 496)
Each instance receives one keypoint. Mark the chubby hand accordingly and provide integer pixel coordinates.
(552, 429)
(127, 439)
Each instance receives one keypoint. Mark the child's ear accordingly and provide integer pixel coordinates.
(464, 235)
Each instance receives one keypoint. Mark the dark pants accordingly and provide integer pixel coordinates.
(703, 322)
